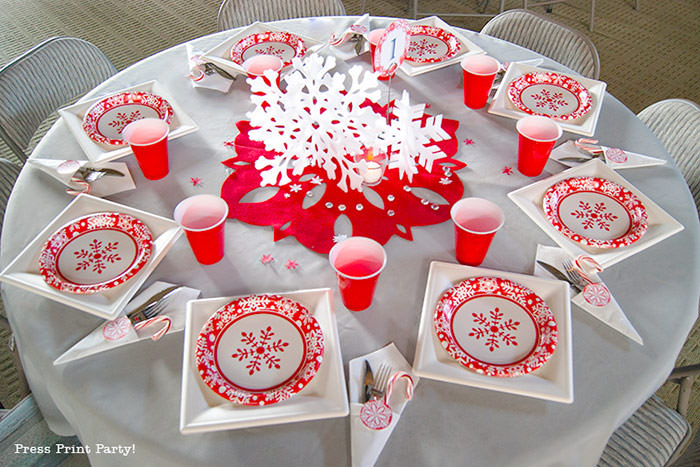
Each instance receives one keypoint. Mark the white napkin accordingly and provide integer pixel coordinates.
(344, 47)
(615, 158)
(199, 78)
(63, 171)
(367, 444)
(610, 313)
(96, 342)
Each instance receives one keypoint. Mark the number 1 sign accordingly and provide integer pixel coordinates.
(392, 48)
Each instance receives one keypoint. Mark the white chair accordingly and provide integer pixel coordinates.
(43, 79)
(235, 13)
(676, 123)
(483, 4)
(554, 40)
(549, 4)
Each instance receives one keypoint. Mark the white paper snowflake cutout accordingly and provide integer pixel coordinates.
(316, 122)
(407, 137)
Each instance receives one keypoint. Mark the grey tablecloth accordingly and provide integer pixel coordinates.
(132, 395)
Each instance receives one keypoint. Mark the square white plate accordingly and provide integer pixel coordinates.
(468, 48)
(201, 409)
(23, 271)
(661, 225)
(73, 115)
(585, 125)
(553, 381)
(221, 54)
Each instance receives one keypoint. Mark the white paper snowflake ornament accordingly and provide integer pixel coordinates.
(408, 139)
(317, 121)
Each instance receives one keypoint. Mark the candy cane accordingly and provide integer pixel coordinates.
(393, 380)
(198, 68)
(156, 319)
(579, 268)
(82, 183)
(587, 145)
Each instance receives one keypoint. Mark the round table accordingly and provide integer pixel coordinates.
(131, 396)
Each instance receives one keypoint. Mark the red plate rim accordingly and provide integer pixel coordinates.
(131, 226)
(292, 40)
(485, 286)
(233, 311)
(633, 205)
(453, 44)
(583, 96)
(99, 108)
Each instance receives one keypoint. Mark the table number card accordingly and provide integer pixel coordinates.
(392, 48)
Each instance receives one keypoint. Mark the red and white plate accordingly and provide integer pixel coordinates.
(550, 94)
(106, 119)
(430, 44)
(282, 44)
(259, 350)
(595, 211)
(495, 326)
(95, 252)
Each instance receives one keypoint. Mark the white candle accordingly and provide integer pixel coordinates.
(373, 173)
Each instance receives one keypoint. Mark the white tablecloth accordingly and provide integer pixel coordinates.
(132, 395)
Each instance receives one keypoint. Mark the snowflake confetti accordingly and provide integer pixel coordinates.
(295, 188)
(468, 142)
(229, 144)
(445, 181)
(507, 170)
(196, 181)
(266, 259)
(316, 180)
(292, 265)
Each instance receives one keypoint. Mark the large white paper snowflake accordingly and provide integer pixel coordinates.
(410, 140)
(316, 121)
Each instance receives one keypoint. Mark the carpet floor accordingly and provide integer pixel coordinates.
(646, 55)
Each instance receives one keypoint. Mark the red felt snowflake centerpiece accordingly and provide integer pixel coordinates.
(306, 152)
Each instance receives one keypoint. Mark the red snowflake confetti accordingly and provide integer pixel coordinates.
(230, 144)
(196, 181)
(507, 170)
(468, 142)
(265, 259)
(292, 265)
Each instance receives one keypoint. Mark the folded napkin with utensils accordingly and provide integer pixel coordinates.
(353, 41)
(592, 295)
(380, 383)
(88, 177)
(205, 74)
(575, 152)
(157, 310)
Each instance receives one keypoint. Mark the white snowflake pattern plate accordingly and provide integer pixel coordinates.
(551, 95)
(284, 45)
(181, 124)
(428, 44)
(253, 35)
(325, 396)
(495, 327)
(581, 118)
(552, 381)
(24, 270)
(596, 212)
(106, 119)
(660, 225)
(453, 42)
(259, 350)
(95, 252)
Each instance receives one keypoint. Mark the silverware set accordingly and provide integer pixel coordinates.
(570, 274)
(92, 174)
(374, 388)
(154, 305)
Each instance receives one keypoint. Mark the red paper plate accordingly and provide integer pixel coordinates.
(106, 119)
(95, 252)
(596, 212)
(259, 350)
(282, 44)
(550, 94)
(495, 327)
(429, 44)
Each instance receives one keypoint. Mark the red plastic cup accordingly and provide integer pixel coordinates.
(148, 139)
(478, 74)
(203, 219)
(536, 138)
(476, 222)
(256, 65)
(373, 38)
(357, 262)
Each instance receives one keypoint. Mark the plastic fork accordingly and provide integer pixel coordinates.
(574, 275)
(382, 380)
